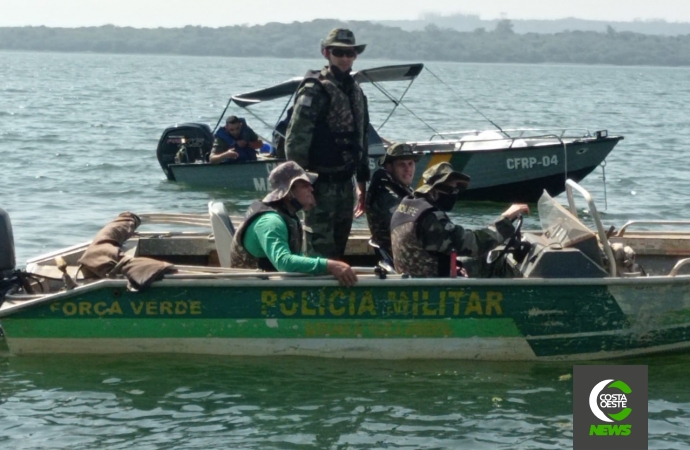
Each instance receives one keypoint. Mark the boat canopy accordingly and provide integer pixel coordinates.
(400, 72)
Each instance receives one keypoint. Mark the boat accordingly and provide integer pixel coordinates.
(566, 292)
(506, 165)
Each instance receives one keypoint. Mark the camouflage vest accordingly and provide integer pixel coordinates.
(382, 199)
(241, 258)
(409, 254)
(338, 140)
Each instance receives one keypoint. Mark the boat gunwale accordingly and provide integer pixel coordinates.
(369, 281)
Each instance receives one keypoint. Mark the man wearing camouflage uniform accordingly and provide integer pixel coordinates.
(327, 135)
(389, 185)
(270, 238)
(423, 235)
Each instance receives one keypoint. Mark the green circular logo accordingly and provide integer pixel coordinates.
(610, 401)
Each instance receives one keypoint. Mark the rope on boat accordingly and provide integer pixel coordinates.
(468, 103)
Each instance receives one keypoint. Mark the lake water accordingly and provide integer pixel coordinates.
(78, 134)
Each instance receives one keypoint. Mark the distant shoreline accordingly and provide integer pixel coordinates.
(300, 40)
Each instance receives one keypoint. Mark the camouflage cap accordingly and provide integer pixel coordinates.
(398, 151)
(282, 178)
(440, 173)
(342, 37)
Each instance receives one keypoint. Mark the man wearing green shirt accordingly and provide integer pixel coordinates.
(270, 238)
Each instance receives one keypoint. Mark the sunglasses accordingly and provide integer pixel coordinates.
(340, 53)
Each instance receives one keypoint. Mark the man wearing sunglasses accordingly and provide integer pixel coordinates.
(423, 236)
(327, 135)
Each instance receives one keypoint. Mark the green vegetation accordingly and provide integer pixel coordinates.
(470, 22)
(301, 40)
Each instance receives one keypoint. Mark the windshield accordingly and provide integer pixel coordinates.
(559, 225)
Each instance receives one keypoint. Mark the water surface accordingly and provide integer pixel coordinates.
(78, 134)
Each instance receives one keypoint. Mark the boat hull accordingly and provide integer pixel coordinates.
(520, 319)
(505, 175)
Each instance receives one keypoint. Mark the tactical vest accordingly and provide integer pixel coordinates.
(338, 140)
(241, 258)
(409, 254)
(383, 196)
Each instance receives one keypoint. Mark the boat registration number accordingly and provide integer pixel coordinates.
(530, 162)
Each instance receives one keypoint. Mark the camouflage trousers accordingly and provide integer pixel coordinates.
(327, 226)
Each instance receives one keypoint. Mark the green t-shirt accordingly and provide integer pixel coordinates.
(267, 237)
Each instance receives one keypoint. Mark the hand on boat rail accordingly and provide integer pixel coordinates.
(345, 275)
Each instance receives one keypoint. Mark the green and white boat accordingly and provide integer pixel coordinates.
(506, 165)
(567, 293)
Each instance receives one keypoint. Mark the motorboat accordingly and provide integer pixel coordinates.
(506, 165)
(567, 291)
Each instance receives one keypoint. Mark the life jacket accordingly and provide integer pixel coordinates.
(245, 153)
(241, 258)
(338, 140)
(383, 197)
(409, 254)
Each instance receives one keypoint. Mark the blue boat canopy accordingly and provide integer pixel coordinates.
(400, 72)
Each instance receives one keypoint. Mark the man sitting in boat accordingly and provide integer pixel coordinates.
(389, 185)
(235, 142)
(270, 238)
(424, 237)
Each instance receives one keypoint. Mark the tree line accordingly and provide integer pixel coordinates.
(301, 40)
(470, 22)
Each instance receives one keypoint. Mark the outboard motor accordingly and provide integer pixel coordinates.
(7, 259)
(193, 142)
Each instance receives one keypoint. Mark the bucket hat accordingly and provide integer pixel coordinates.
(440, 173)
(342, 37)
(282, 178)
(398, 151)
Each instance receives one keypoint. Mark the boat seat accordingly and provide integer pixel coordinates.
(223, 231)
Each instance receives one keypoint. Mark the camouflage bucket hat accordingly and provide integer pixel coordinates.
(342, 37)
(398, 151)
(283, 176)
(440, 173)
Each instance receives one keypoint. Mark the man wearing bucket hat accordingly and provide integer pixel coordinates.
(389, 185)
(327, 135)
(270, 238)
(423, 236)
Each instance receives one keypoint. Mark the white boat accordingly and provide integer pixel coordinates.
(507, 165)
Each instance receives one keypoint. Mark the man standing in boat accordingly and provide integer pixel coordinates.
(389, 185)
(423, 236)
(235, 142)
(327, 135)
(270, 238)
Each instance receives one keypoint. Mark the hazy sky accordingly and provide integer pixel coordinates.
(215, 13)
